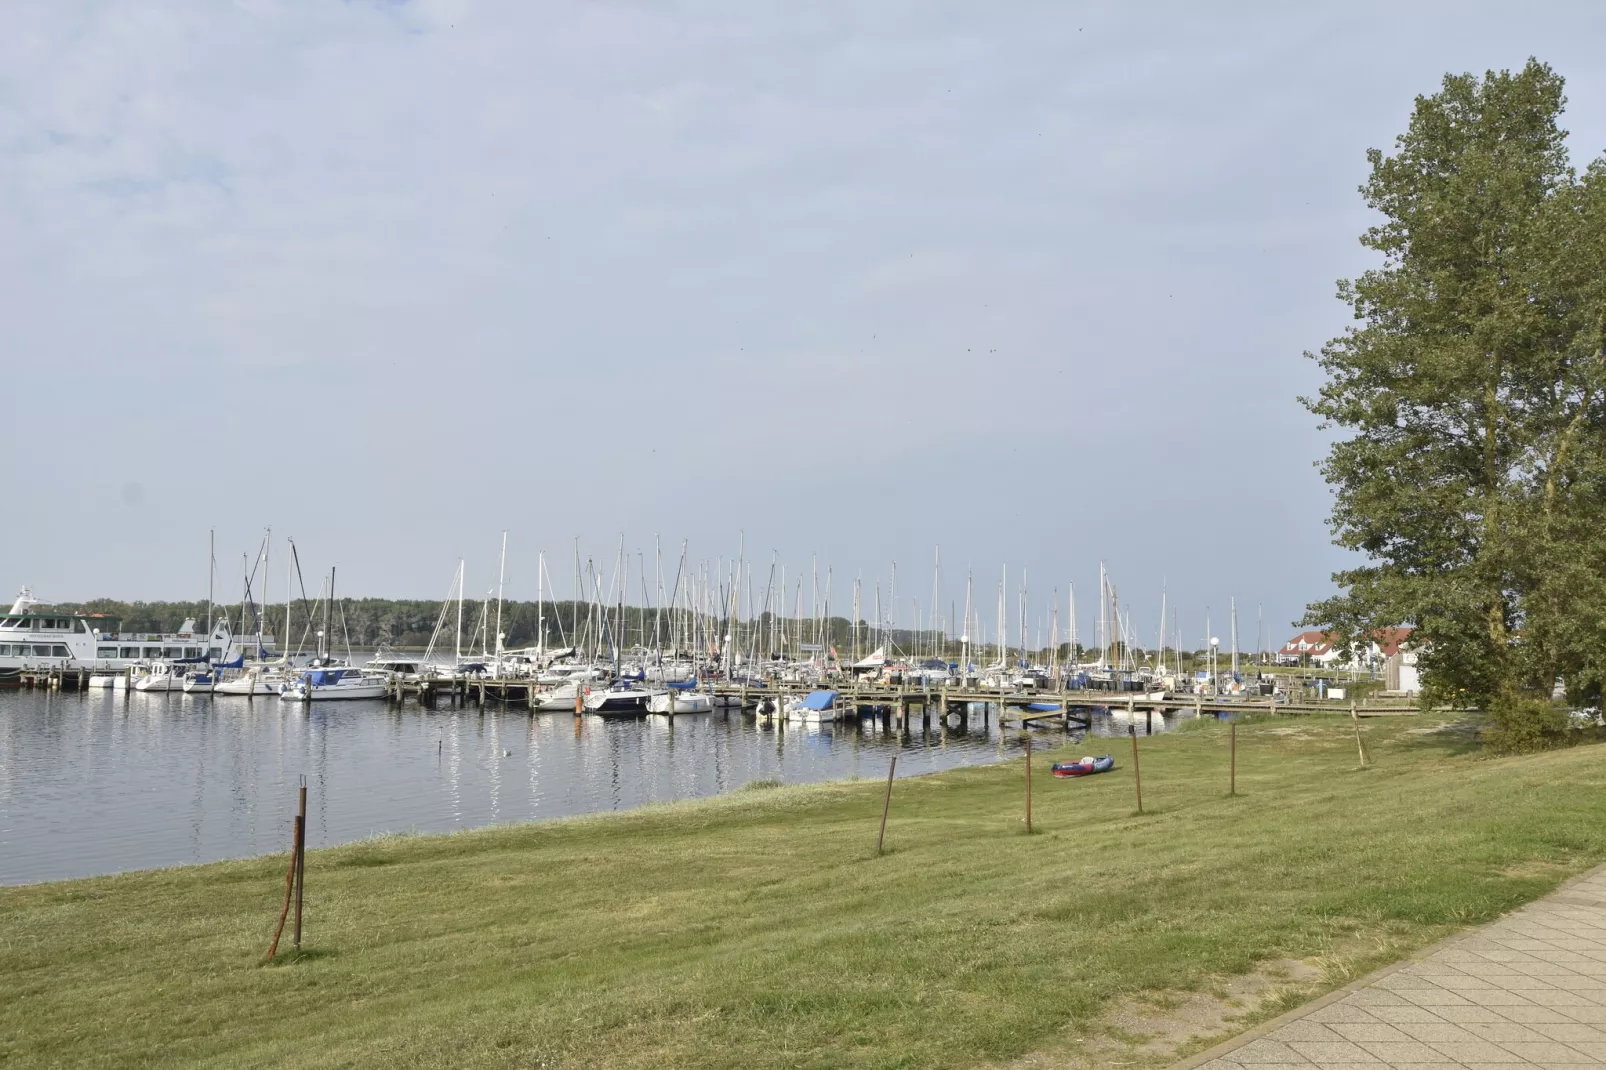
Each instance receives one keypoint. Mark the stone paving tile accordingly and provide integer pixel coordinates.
(1548, 1052)
(1528, 991)
(1342, 1052)
(1418, 1015)
(1404, 1053)
(1567, 1032)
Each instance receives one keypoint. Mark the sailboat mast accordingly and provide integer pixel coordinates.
(1070, 608)
(1235, 637)
(501, 576)
(457, 653)
(325, 637)
(964, 633)
(211, 574)
(262, 618)
(1004, 617)
(1159, 654)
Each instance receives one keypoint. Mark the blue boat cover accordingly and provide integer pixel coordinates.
(819, 700)
(237, 663)
(1043, 707)
(682, 685)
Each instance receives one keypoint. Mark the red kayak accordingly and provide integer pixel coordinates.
(1085, 767)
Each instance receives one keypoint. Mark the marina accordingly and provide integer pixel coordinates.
(101, 781)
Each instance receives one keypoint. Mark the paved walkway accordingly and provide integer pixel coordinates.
(1527, 990)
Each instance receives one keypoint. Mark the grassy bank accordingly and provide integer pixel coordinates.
(758, 930)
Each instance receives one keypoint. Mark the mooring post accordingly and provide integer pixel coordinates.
(1137, 774)
(671, 705)
(1359, 746)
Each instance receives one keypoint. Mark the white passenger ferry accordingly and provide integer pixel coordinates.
(34, 636)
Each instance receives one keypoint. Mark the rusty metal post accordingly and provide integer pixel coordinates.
(301, 857)
(886, 805)
(1137, 775)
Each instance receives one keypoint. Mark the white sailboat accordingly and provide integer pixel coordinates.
(256, 681)
(685, 701)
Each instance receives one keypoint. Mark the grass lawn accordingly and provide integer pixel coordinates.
(759, 930)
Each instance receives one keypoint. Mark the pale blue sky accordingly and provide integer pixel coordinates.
(1028, 281)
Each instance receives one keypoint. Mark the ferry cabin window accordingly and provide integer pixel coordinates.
(5, 650)
(106, 652)
(128, 652)
(191, 652)
(60, 651)
(153, 652)
(174, 652)
(216, 653)
(41, 650)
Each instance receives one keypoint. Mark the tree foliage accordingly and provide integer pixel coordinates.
(1473, 393)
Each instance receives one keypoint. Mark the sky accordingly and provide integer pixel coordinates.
(837, 283)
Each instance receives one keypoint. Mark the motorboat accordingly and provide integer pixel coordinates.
(318, 685)
(817, 707)
(622, 698)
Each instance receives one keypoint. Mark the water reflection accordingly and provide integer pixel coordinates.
(105, 781)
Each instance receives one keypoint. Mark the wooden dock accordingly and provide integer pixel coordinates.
(1071, 708)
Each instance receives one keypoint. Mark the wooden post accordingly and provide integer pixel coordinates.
(301, 857)
(671, 704)
(1028, 785)
(1148, 721)
(1137, 775)
(1232, 776)
(886, 805)
(1359, 746)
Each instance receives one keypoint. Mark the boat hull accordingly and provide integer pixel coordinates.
(248, 687)
(331, 692)
(685, 702)
(618, 703)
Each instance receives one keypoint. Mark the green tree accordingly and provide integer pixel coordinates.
(1473, 475)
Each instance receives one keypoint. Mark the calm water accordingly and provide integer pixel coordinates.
(104, 781)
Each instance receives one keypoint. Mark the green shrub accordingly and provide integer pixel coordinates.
(1520, 723)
